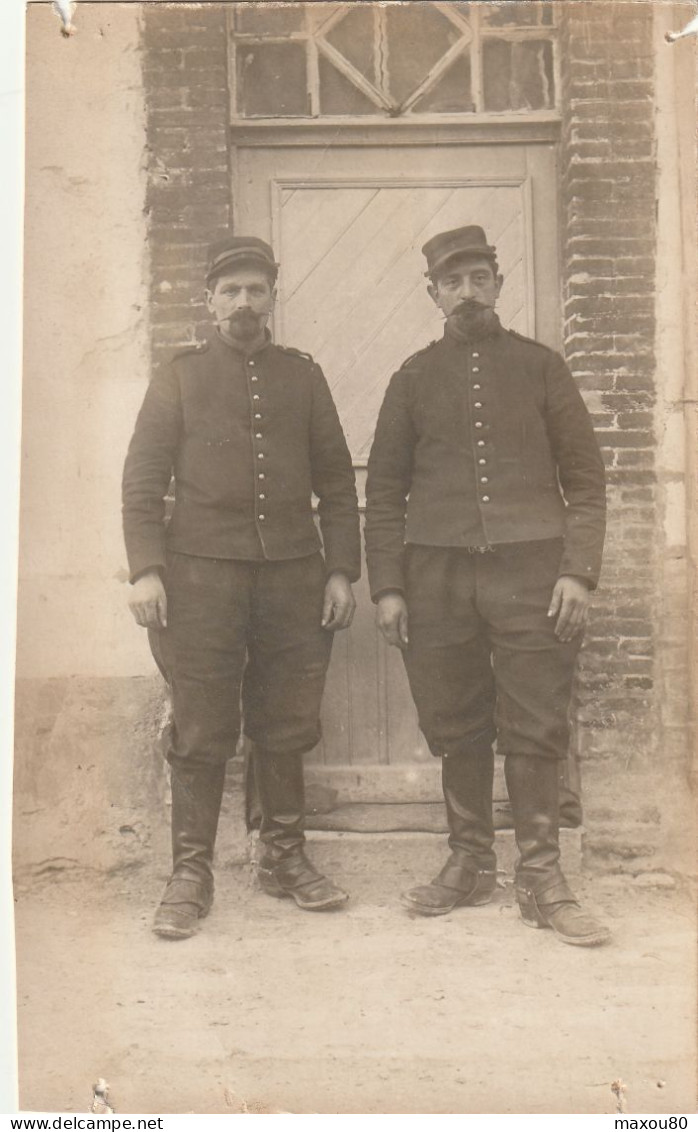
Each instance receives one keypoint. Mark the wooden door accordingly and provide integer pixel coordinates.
(347, 223)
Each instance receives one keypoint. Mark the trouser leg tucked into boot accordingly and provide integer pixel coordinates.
(470, 874)
(197, 791)
(544, 897)
(284, 869)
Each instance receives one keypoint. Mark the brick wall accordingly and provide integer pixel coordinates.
(609, 249)
(188, 200)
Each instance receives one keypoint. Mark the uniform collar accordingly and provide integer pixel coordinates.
(454, 335)
(257, 348)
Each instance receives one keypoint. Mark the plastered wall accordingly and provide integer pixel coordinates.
(86, 353)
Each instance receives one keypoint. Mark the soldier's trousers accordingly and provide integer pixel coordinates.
(483, 660)
(243, 638)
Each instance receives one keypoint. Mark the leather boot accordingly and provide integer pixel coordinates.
(470, 874)
(284, 869)
(544, 897)
(197, 791)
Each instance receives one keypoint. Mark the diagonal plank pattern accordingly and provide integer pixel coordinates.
(354, 293)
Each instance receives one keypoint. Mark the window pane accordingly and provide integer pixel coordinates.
(452, 93)
(518, 76)
(353, 36)
(418, 36)
(263, 19)
(339, 96)
(271, 80)
(513, 13)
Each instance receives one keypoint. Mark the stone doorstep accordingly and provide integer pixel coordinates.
(45, 846)
(417, 854)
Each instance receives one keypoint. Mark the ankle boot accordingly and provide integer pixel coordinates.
(470, 874)
(544, 897)
(284, 869)
(196, 801)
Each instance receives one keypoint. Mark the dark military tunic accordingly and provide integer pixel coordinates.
(482, 443)
(249, 439)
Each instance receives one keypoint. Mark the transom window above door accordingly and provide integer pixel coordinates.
(390, 60)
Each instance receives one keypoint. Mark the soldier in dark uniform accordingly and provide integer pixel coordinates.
(484, 532)
(239, 599)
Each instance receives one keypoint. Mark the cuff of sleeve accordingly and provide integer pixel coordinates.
(141, 564)
(385, 576)
(582, 570)
(147, 570)
(351, 573)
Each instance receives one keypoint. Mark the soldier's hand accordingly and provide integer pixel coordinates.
(339, 604)
(391, 618)
(569, 603)
(148, 601)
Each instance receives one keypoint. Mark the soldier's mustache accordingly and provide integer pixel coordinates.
(470, 306)
(239, 316)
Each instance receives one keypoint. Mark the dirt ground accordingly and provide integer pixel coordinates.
(363, 1010)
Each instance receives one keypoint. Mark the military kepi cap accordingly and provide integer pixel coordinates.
(470, 240)
(234, 250)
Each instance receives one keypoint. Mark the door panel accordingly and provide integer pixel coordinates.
(347, 224)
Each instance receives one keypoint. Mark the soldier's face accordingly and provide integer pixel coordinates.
(241, 302)
(468, 282)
